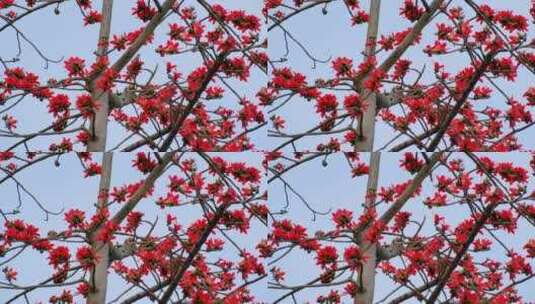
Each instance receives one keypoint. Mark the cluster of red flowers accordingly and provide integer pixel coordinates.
(106, 81)
(19, 79)
(342, 66)
(19, 231)
(65, 297)
(121, 42)
(144, 163)
(59, 105)
(6, 3)
(86, 105)
(411, 163)
(241, 20)
(75, 66)
(92, 17)
(143, 11)
(411, 11)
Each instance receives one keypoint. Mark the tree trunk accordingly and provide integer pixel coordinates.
(99, 123)
(366, 281)
(98, 281)
(367, 124)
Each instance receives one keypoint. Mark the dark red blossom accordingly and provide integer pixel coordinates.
(59, 105)
(144, 162)
(326, 255)
(342, 218)
(92, 17)
(143, 11)
(411, 11)
(75, 218)
(59, 256)
(75, 66)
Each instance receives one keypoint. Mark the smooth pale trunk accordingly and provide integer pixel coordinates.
(98, 280)
(368, 117)
(99, 125)
(366, 292)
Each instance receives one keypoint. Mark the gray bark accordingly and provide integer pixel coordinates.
(367, 127)
(366, 281)
(98, 281)
(99, 124)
